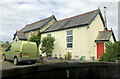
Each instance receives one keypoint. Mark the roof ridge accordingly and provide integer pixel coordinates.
(40, 20)
(79, 15)
(19, 32)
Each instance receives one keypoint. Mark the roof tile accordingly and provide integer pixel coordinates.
(36, 25)
(73, 21)
(104, 35)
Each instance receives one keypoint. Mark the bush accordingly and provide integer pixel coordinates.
(61, 58)
(112, 52)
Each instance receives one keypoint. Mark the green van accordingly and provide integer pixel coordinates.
(21, 51)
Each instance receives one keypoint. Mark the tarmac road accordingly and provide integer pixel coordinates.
(9, 64)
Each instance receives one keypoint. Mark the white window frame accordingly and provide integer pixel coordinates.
(67, 39)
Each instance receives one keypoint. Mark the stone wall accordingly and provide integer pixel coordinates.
(41, 30)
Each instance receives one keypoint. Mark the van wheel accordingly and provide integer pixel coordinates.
(15, 61)
(4, 58)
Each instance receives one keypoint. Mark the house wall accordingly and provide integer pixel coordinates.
(83, 40)
(42, 29)
(16, 38)
(27, 35)
(112, 39)
(93, 31)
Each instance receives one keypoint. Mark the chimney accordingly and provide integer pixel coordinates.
(105, 18)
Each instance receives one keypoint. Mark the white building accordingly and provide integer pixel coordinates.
(83, 35)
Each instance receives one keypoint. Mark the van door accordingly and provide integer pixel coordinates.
(29, 51)
(8, 53)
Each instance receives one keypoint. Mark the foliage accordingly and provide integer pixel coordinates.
(36, 38)
(68, 56)
(112, 52)
(7, 42)
(5, 45)
(2, 45)
(81, 59)
(61, 58)
(47, 45)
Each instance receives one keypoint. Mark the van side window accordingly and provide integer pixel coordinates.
(8, 49)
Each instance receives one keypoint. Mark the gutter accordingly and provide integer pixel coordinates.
(101, 40)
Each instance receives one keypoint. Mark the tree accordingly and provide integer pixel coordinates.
(5, 45)
(2, 45)
(7, 42)
(47, 45)
(37, 39)
(112, 52)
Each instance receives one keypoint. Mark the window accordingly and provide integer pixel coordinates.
(84, 57)
(69, 39)
(49, 35)
(8, 49)
(59, 55)
(16, 40)
(69, 32)
(55, 55)
(76, 57)
(31, 34)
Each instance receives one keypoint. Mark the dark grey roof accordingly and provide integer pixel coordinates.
(104, 36)
(38, 24)
(20, 35)
(79, 20)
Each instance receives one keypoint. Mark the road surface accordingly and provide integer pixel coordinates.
(9, 64)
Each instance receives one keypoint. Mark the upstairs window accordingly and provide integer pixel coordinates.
(49, 35)
(31, 34)
(69, 39)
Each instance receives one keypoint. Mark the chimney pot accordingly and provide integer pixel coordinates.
(105, 7)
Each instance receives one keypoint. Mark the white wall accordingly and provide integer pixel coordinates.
(16, 38)
(79, 42)
(93, 31)
(112, 39)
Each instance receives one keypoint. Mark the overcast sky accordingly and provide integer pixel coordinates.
(15, 14)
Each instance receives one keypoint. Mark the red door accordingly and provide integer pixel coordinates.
(100, 49)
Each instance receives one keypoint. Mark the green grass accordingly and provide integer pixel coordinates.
(0, 54)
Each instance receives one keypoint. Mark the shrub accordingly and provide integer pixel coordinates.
(112, 52)
(47, 45)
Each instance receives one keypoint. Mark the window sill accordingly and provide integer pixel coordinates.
(69, 48)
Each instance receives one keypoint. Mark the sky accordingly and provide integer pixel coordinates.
(15, 14)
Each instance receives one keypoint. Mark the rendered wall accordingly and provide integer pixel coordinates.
(93, 31)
